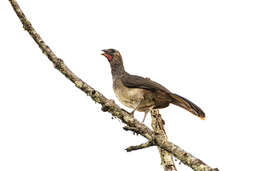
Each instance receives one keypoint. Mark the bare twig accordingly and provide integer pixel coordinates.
(108, 105)
(141, 146)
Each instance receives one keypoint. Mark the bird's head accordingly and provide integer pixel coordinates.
(113, 56)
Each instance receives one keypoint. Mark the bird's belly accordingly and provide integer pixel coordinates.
(133, 97)
(129, 97)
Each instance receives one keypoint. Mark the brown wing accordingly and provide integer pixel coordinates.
(160, 95)
(134, 81)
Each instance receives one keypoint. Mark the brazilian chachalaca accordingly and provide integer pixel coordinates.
(143, 94)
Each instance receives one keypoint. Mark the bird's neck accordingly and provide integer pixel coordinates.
(117, 70)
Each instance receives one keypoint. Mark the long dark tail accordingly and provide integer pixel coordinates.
(188, 105)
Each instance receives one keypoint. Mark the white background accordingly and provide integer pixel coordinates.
(207, 51)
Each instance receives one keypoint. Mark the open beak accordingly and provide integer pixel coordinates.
(105, 52)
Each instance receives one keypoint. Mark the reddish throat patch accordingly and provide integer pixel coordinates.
(109, 57)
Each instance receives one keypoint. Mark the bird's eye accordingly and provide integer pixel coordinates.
(112, 50)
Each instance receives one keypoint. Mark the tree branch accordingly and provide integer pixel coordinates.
(107, 104)
(141, 146)
(158, 127)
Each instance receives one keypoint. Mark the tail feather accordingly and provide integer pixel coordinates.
(188, 105)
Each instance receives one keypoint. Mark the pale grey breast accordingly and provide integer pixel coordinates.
(130, 97)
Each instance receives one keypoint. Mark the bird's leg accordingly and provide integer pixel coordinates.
(145, 114)
(132, 113)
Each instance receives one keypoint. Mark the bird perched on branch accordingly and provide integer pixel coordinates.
(143, 94)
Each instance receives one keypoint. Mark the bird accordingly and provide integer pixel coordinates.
(143, 94)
